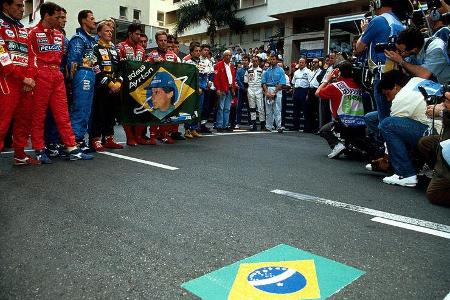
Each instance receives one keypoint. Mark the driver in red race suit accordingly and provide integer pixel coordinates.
(162, 54)
(46, 49)
(15, 85)
(132, 50)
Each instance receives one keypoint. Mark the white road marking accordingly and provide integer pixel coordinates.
(141, 161)
(237, 133)
(447, 297)
(368, 211)
(412, 227)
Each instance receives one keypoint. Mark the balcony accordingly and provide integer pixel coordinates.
(243, 4)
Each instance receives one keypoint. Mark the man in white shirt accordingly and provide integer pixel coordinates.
(300, 82)
(405, 126)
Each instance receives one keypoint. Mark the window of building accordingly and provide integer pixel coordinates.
(160, 18)
(268, 32)
(251, 3)
(123, 11)
(136, 14)
(256, 35)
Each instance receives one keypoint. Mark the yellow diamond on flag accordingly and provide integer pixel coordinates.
(140, 94)
(285, 280)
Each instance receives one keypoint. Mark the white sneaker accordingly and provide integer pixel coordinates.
(236, 126)
(410, 181)
(337, 150)
(369, 167)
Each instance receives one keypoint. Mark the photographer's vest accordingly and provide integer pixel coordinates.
(396, 27)
(351, 108)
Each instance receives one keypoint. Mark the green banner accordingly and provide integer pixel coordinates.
(159, 93)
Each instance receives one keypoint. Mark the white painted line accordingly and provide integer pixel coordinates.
(447, 297)
(11, 152)
(141, 161)
(445, 235)
(367, 211)
(237, 133)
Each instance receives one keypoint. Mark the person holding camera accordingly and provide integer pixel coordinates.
(346, 105)
(406, 124)
(436, 18)
(427, 58)
(438, 191)
(386, 24)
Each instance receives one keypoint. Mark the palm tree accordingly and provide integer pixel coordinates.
(216, 13)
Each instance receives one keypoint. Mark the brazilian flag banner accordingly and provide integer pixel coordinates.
(159, 93)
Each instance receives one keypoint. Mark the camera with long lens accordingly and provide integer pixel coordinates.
(433, 95)
(390, 45)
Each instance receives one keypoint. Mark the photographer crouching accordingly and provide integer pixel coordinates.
(436, 152)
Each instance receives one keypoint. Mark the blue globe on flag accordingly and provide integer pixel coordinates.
(277, 280)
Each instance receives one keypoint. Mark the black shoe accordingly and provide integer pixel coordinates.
(253, 128)
(204, 129)
(83, 146)
(219, 129)
(280, 130)
(177, 136)
(229, 129)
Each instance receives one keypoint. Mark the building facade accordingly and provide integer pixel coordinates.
(304, 28)
(149, 13)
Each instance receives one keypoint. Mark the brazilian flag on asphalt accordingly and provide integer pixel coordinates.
(159, 93)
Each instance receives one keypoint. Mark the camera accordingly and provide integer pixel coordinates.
(433, 92)
(446, 18)
(435, 3)
(390, 45)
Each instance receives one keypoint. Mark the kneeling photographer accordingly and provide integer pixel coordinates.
(436, 152)
(420, 57)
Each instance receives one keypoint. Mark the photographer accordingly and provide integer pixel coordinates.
(346, 106)
(436, 18)
(438, 191)
(406, 125)
(378, 30)
(427, 57)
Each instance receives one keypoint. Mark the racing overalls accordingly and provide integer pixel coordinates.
(14, 102)
(46, 49)
(81, 61)
(253, 78)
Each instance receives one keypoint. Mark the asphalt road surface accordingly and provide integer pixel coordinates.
(114, 228)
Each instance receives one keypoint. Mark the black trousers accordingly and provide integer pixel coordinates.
(104, 108)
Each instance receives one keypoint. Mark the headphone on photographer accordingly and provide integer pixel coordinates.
(435, 15)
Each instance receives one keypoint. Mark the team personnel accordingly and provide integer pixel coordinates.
(225, 83)
(195, 51)
(81, 61)
(206, 70)
(15, 85)
(131, 49)
(107, 90)
(253, 78)
(52, 140)
(46, 46)
(272, 80)
(167, 133)
(300, 81)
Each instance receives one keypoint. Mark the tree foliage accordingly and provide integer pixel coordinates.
(216, 14)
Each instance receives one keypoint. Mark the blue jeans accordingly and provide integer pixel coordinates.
(241, 99)
(195, 125)
(223, 110)
(383, 106)
(83, 93)
(401, 136)
(299, 98)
